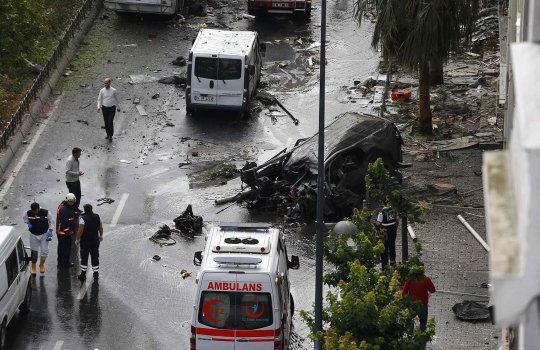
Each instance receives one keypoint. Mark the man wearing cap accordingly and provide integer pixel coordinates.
(39, 221)
(65, 228)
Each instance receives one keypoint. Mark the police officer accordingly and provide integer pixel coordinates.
(65, 228)
(89, 236)
(39, 221)
(388, 220)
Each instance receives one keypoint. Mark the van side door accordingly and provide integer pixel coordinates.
(24, 266)
(11, 297)
(204, 79)
(231, 78)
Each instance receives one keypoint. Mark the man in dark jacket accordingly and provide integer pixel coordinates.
(89, 236)
(40, 224)
(65, 228)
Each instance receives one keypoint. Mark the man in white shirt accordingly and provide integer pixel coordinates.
(108, 102)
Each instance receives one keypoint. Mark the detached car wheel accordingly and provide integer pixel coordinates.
(25, 306)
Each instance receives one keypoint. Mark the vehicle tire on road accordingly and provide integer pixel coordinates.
(27, 303)
(292, 305)
(190, 110)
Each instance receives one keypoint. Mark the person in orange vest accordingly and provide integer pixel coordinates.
(419, 289)
(65, 228)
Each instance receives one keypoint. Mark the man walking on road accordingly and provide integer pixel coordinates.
(39, 221)
(89, 237)
(72, 177)
(388, 220)
(419, 289)
(108, 102)
(65, 228)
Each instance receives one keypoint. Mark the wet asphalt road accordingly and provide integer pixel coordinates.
(139, 303)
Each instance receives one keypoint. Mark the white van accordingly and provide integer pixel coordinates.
(15, 287)
(162, 7)
(224, 69)
(243, 297)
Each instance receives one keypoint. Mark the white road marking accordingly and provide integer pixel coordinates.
(155, 173)
(28, 150)
(58, 345)
(121, 204)
(84, 287)
(300, 100)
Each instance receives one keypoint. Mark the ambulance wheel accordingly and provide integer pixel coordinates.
(3, 336)
(292, 306)
(25, 306)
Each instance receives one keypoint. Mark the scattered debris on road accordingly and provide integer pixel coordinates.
(189, 223)
(105, 200)
(471, 311)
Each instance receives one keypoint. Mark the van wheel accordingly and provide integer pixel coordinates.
(3, 336)
(251, 12)
(190, 110)
(292, 305)
(25, 306)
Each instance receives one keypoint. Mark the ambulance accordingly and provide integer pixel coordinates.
(243, 297)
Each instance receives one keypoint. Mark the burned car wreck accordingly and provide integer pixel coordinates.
(287, 183)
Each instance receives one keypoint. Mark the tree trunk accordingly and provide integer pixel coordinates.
(436, 72)
(424, 110)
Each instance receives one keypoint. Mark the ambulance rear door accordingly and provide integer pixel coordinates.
(256, 313)
(216, 315)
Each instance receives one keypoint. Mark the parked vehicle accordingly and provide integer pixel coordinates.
(163, 7)
(223, 71)
(243, 299)
(15, 287)
(279, 6)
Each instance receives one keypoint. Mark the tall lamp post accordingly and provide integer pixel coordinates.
(320, 185)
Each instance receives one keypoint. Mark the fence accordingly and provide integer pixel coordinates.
(44, 75)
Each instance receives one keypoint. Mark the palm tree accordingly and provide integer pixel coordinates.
(414, 32)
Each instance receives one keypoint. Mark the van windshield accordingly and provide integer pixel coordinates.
(235, 310)
(207, 68)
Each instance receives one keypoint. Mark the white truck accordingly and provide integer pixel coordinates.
(279, 6)
(162, 7)
(243, 299)
(15, 286)
(223, 70)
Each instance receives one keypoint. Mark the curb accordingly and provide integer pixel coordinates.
(31, 118)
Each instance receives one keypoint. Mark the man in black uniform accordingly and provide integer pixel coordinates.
(388, 220)
(39, 221)
(65, 228)
(89, 236)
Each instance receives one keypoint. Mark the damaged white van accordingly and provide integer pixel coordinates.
(160, 7)
(223, 70)
(15, 287)
(243, 297)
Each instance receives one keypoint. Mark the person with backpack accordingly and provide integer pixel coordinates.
(388, 220)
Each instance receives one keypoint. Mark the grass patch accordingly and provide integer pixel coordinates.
(227, 170)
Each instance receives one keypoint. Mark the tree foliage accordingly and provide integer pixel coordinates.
(413, 32)
(365, 309)
(21, 24)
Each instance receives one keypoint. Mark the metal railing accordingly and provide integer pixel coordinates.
(44, 75)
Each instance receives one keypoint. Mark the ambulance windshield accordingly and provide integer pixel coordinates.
(235, 310)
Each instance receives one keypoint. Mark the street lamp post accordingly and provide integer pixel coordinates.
(320, 185)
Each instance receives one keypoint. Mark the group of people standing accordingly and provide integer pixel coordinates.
(90, 229)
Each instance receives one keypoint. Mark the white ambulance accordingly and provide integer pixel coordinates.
(243, 298)
(223, 70)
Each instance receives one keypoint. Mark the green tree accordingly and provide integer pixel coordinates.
(414, 32)
(367, 310)
(21, 24)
